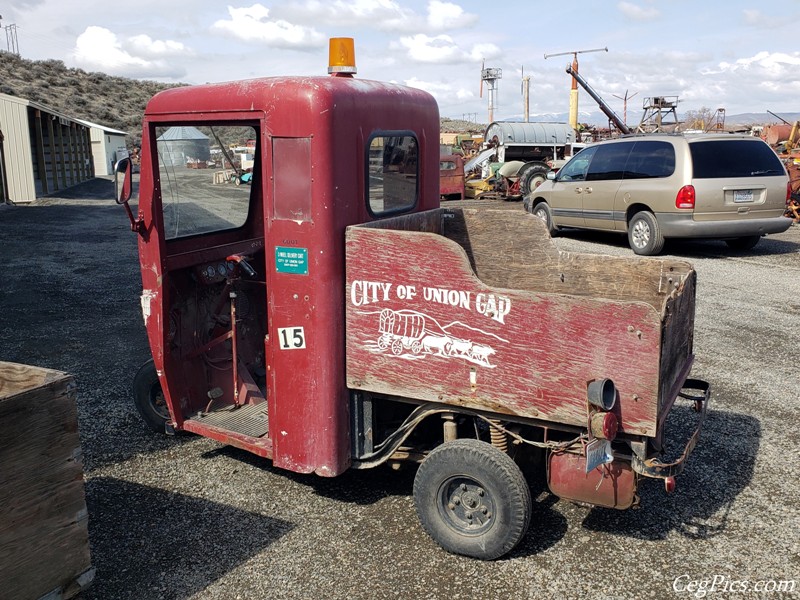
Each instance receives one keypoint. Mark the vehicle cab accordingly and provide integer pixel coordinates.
(257, 271)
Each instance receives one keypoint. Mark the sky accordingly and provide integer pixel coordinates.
(742, 56)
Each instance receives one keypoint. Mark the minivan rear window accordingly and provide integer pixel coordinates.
(717, 159)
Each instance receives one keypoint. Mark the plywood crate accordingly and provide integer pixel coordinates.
(44, 538)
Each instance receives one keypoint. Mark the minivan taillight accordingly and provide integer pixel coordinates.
(788, 192)
(685, 197)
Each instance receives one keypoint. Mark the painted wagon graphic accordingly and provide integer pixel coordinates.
(401, 330)
(404, 331)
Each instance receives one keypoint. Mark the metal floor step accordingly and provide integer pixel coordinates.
(250, 419)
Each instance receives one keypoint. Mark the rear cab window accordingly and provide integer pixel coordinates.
(392, 172)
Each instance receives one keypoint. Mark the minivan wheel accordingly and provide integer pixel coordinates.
(747, 242)
(644, 234)
(542, 210)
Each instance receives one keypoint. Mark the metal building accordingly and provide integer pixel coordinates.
(178, 145)
(41, 150)
(108, 146)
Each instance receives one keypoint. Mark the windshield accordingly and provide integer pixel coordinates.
(206, 175)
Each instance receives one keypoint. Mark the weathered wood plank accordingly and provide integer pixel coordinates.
(44, 542)
(513, 250)
(421, 324)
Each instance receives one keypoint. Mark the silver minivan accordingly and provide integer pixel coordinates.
(658, 186)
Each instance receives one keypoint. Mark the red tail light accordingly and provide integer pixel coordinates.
(685, 197)
(604, 425)
(788, 192)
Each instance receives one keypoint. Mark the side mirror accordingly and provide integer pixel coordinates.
(551, 175)
(123, 184)
(122, 180)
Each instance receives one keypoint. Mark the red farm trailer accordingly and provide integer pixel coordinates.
(331, 315)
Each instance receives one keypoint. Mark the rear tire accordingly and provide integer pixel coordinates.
(472, 499)
(149, 398)
(747, 242)
(531, 176)
(644, 234)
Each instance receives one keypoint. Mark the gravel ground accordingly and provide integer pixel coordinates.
(184, 517)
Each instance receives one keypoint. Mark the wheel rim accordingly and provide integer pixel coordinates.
(541, 213)
(536, 182)
(158, 402)
(466, 506)
(640, 235)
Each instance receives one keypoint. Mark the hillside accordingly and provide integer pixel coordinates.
(115, 102)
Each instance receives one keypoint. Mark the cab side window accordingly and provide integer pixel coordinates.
(206, 177)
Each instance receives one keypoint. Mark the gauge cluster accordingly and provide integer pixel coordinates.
(215, 272)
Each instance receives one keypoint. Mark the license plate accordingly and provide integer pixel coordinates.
(742, 195)
(598, 452)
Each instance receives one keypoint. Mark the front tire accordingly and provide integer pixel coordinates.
(644, 234)
(545, 213)
(472, 499)
(149, 398)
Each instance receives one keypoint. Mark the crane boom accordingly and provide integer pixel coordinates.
(576, 52)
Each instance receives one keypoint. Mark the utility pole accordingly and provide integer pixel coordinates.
(11, 37)
(573, 93)
(526, 95)
(625, 104)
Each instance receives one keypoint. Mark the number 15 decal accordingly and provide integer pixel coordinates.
(291, 338)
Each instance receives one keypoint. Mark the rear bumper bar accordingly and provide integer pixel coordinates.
(653, 467)
(684, 226)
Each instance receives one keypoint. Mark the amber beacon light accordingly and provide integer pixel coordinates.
(342, 56)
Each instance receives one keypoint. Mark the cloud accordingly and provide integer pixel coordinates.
(446, 15)
(98, 48)
(485, 50)
(384, 15)
(440, 90)
(144, 45)
(441, 49)
(253, 24)
(638, 13)
(775, 63)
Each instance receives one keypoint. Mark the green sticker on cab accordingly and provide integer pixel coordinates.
(291, 260)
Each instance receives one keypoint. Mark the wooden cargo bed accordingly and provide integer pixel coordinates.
(478, 308)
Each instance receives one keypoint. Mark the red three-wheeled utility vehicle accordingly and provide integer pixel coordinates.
(331, 315)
